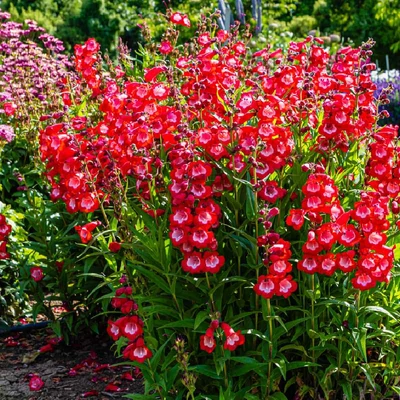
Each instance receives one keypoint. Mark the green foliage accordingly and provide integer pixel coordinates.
(74, 21)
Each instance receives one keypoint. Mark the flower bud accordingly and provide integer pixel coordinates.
(395, 207)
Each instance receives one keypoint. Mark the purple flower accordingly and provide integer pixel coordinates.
(7, 133)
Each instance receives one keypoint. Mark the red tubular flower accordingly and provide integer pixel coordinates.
(363, 281)
(10, 108)
(152, 73)
(117, 302)
(181, 216)
(47, 348)
(310, 264)
(36, 274)
(3, 251)
(200, 238)
(131, 327)
(114, 330)
(180, 19)
(179, 235)
(326, 236)
(266, 286)
(233, 339)
(328, 264)
(271, 192)
(207, 341)
(280, 268)
(85, 231)
(165, 47)
(295, 219)
(349, 236)
(193, 263)
(311, 247)
(205, 218)
(137, 351)
(128, 307)
(286, 286)
(114, 247)
(213, 262)
(5, 229)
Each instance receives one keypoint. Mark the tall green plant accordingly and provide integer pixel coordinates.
(250, 201)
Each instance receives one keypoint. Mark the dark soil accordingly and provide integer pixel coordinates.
(82, 370)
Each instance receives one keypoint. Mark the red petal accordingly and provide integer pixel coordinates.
(90, 394)
(127, 375)
(112, 388)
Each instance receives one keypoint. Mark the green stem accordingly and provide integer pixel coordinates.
(226, 376)
(271, 332)
(211, 296)
(155, 381)
(313, 315)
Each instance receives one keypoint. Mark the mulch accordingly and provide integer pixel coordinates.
(84, 369)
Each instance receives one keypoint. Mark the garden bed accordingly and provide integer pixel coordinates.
(81, 370)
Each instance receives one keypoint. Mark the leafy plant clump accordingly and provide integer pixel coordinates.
(244, 209)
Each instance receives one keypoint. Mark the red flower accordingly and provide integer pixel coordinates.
(181, 216)
(311, 247)
(131, 327)
(114, 247)
(193, 263)
(165, 47)
(36, 273)
(345, 261)
(35, 383)
(85, 231)
(3, 251)
(179, 235)
(295, 218)
(286, 287)
(114, 330)
(180, 19)
(271, 192)
(280, 267)
(200, 238)
(349, 236)
(112, 388)
(88, 203)
(117, 302)
(207, 341)
(128, 307)
(328, 264)
(363, 281)
(213, 261)
(266, 286)
(137, 351)
(326, 236)
(310, 264)
(233, 339)
(9, 108)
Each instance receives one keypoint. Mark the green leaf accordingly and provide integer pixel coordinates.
(206, 370)
(184, 323)
(200, 317)
(365, 369)
(278, 396)
(250, 201)
(360, 337)
(347, 391)
(154, 278)
(244, 369)
(301, 364)
(155, 360)
(379, 310)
